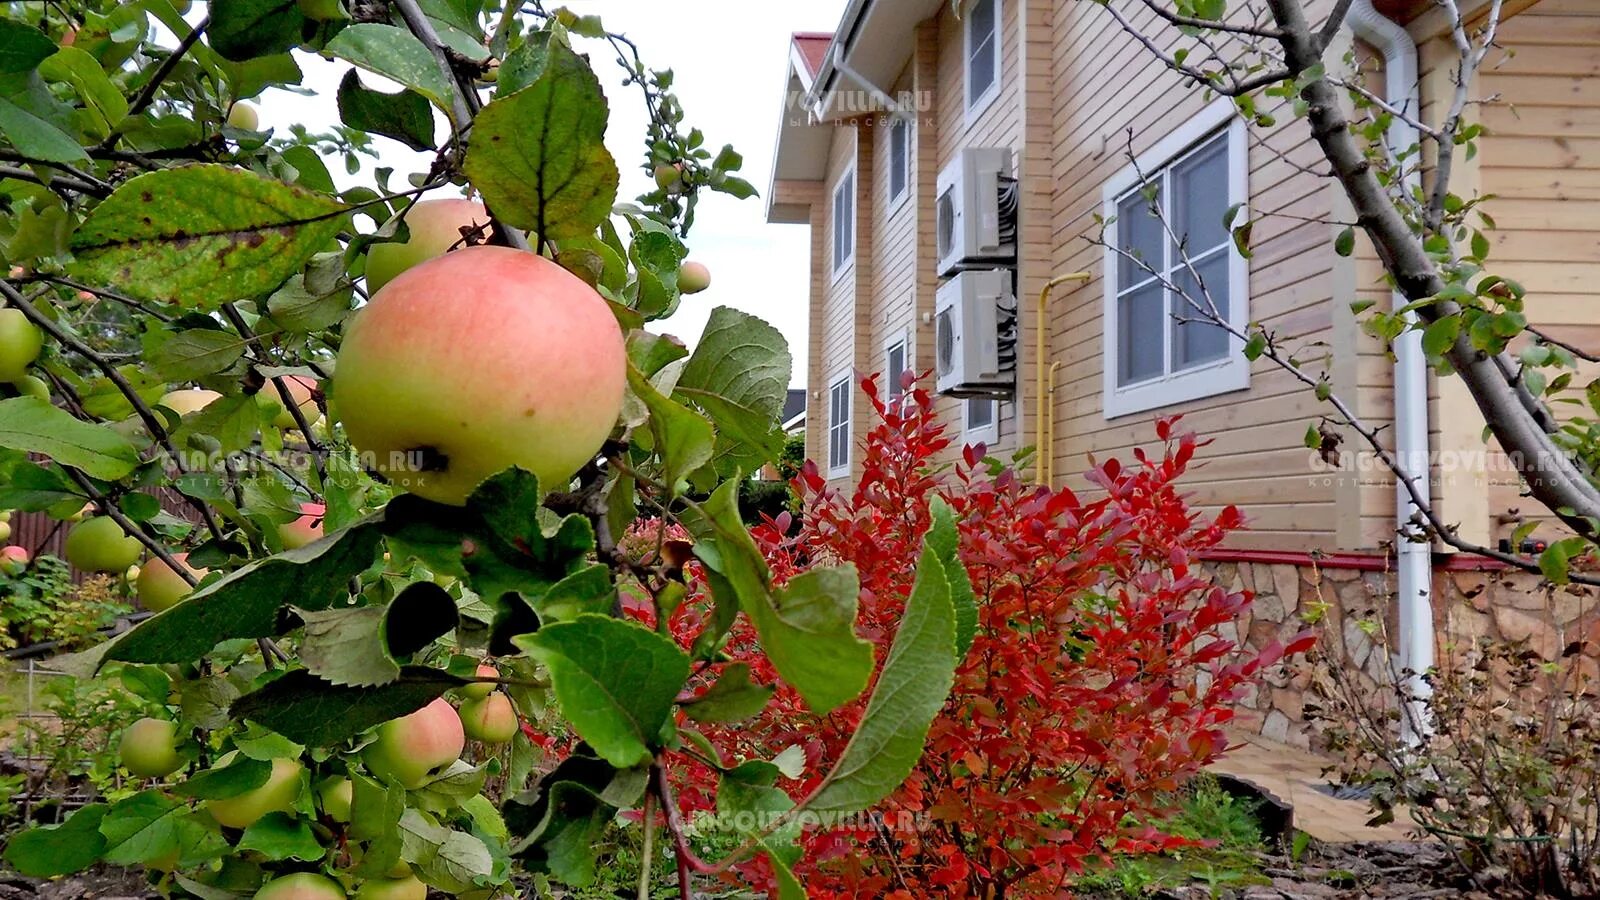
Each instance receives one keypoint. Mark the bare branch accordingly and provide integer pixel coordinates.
(1212, 24)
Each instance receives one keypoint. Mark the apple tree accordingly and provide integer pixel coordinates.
(374, 439)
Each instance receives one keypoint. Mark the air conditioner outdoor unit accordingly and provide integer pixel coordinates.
(975, 329)
(976, 213)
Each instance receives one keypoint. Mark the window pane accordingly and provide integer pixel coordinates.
(897, 157)
(982, 41)
(1200, 197)
(843, 220)
(980, 413)
(896, 365)
(982, 63)
(1139, 231)
(1195, 342)
(1140, 324)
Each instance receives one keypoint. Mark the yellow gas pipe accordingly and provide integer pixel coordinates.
(1045, 428)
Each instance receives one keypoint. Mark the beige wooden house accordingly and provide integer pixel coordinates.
(874, 113)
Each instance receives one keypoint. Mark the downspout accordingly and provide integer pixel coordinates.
(1415, 558)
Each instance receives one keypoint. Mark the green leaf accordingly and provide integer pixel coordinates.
(1553, 562)
(616, 681)
(194, 353)
(565, 819)
(100, 97)
(279, 835)
(72, 846)
(298, 306)
(1440, 336)
(945, 540)
(22, 47)
(37, 138)
(305, 709)
(396, 55)
(538, 155)
(245, 29)
(683, 438)
(248, 603)
(733, 698)
(807, 628)
(345, 646)
(911, 690)
(241, 775)
(152, 827)
(747, 794)
(452, 861)
(405, 116)
(202, 235)
(739, 374)
(1345, 243)
(35, 426)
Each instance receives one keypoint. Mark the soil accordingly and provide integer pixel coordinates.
(1386, 869)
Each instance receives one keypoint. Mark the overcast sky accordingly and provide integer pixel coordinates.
(730, 58)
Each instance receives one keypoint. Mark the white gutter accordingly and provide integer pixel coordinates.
(1410, 391)
(878, 94)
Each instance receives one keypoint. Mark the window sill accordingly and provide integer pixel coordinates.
(1222, 377)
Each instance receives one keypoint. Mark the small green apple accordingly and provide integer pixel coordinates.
(301, 886)
(321, 10)
(243, 116)
(188, 401)
(481, 689)
(693, 277)
(5, 531)
(407, 888)
(276, 795)
(669, 175)
(411, 749)
(100, 545)
(20, 344)
(490, 719)
(482, 359)
(160, 587)
(301, 392)
(435, 227)
(149, 748)
(33, 386)
(305, 529)
(334, 795)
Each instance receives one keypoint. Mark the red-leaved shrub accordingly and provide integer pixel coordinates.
(1098, 682)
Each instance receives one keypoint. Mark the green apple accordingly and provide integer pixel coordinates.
(334, 795)
(243, 116)
(5, 515)
(33, 386)
(188, 401)
(160, 587)
(305, 529)
(321, 10)
(149, 748)
(301, 392)
(480, 360)
(411, 749)
(480, 689)
(693, 277)
(408, 888)
(276, 795)
(20, 344)
(301, 886)
(435, 227)
(5, 531)
(669, 175)
(490, 719)
(13, 559)
(100, 545)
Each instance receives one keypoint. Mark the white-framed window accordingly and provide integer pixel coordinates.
(839, 426)
(844, 221)
(982, 41)
(896, 360)
(981, 421)
(899, 160)
(1168, 210)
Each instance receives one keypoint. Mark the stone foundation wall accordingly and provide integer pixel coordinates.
(1354, 613)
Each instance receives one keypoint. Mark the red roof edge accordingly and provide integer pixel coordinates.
(813, 46)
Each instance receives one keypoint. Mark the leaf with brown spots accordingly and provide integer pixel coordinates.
(203, 235)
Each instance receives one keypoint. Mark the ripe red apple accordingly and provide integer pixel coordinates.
(693, 277)
(407, 888)
(301, 392)
(481, 689)
(480, 360)
(186, 402)
(20, 344)
(435, 227)
(100, 545)
(301, 886)
(412, 748)
(149, 748)
(305, 529)
(276, 795)
(243, 116)
(13, 559)
(334, 795)
(490, 719)
(160, 587)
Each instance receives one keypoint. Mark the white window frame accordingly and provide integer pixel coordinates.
(988, 435)
(901, 339)
(847, 179)
(1232, 371)
(976, 105)
(838, 469)
(902, 124)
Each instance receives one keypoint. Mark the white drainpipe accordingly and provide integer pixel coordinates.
(1410, 387)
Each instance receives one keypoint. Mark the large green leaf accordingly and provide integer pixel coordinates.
(250, 602)
(22, 46)
(734, 697)
(807, 628)
(305, 709)
(82, 71)
(538, 155)
(37, 138)
(911, 690)
(246, 29)
(561, 820)
(616, 681)
(405, 116)
(945, 540)
(683, 438)
(151, 826)
(739, 374)
(395, 54)
(33, 425)
(452, 861)
(195, 353)
(72, 846)
(203, 235)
